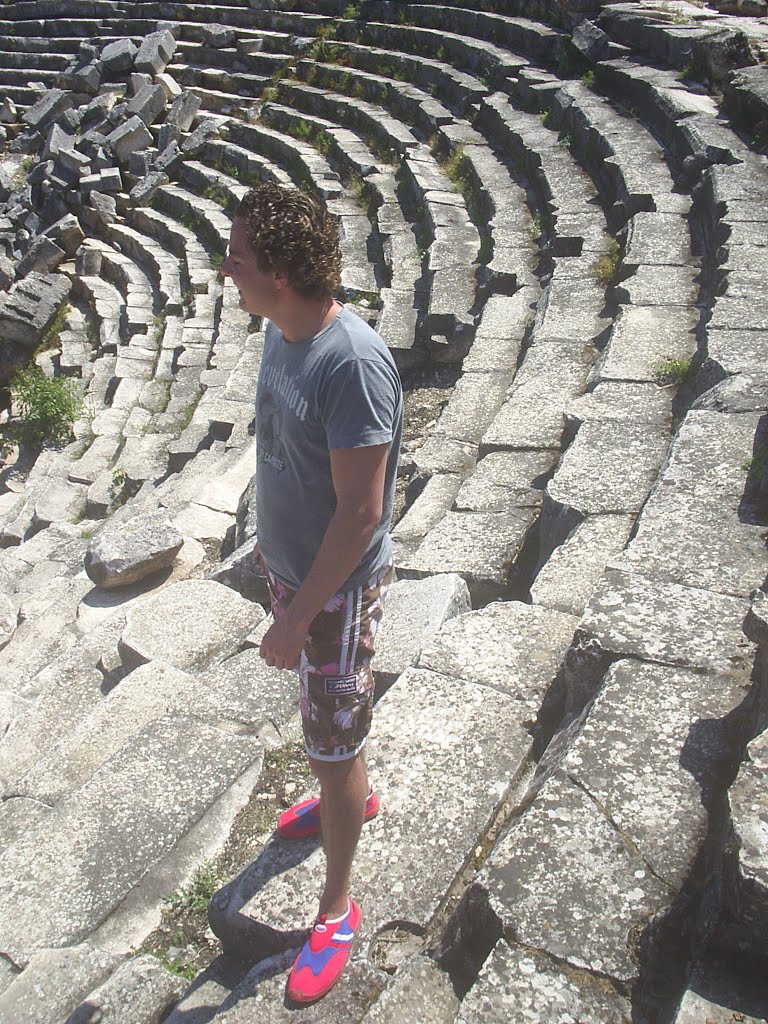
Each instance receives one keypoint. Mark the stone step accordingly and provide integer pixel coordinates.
(303, 160)
(404, 102)
(484, 59)
(54, 984)
(143, 982)
(533, 39)
(163, 267)
(129, 815)
(632, 830)
(382, 132)
(220, 695)
(31, 60)
(458, 88)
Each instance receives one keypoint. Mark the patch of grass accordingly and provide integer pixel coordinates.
(47, 408)
(352, 12)
(198, 893)
(536, 223)
(673, 371)
(588, 79)
(607, 267)
(566, 140)
(269, 95)
(546, 118)
(217, 259)
(217, 194)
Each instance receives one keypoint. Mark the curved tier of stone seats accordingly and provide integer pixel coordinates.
(582, 728)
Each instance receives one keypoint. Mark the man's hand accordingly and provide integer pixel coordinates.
(282, 643)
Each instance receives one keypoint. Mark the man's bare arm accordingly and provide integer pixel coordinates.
(358, 476)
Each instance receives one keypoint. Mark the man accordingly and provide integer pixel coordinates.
(329, 421)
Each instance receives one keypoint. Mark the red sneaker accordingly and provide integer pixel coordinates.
(319, 964)
(303, 819)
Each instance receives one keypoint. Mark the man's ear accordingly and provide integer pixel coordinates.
(281, 280)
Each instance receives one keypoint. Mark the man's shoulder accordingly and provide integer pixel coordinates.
(354, 338)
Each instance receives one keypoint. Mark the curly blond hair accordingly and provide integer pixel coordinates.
(294, 234)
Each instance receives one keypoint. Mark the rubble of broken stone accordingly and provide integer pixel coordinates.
(116, 124)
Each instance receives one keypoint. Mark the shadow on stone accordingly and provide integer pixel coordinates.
(241, 936)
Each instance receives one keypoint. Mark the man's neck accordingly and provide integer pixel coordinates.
(306, 319)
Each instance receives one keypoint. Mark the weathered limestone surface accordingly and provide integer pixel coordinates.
(532, 415)
(420, 993)
(509, 646)
(123, 553)
(571, 572)
(609, 468)
(189, 624)
(521, 984)
(480, 546)
(696, 1008)
(642, 338)
(54, 984)
(632, 615)
(414, 612)
(142, 983)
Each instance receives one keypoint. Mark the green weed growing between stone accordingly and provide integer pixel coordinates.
(607, 267)
(673, 371)
(47, 408)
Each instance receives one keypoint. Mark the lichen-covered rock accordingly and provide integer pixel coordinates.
(749, 811)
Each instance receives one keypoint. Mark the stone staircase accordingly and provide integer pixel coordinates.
(565, 218)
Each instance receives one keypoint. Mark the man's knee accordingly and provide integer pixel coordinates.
(335, 773)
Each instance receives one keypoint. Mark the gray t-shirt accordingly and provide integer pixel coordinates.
(339, 389)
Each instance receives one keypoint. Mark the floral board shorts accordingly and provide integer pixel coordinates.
(335, 666)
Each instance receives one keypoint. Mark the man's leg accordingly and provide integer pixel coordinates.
(343, 792)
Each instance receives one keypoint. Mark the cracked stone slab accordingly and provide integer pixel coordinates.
(565, 882)
(653, 620)
(414, 612)
(54, 984)
(528, 646)
(474, 402)
(736, 315)
(642, 337)
(481, 546)
(517, 984)
(648, 770)
(610, 467)
(459, 742)
(570, 574)
(427, 510)
(419, 993)
(503, 481)
(701, 527)
(570, 314)
(190, 624)
(749, 812)
(532, 415)
(657, 238)
(500, 332)
(142, 983)
(64, 877)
